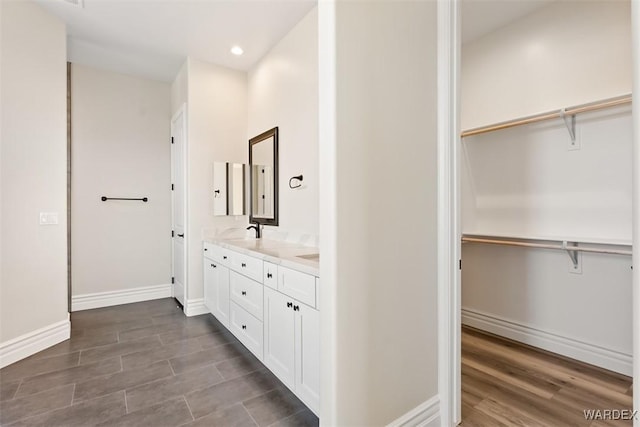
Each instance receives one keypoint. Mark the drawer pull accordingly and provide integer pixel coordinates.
(296, 308)
(244, 326)
(289, 304)
(269, 275)
(244, 292)
(243, 264)
(213, 265)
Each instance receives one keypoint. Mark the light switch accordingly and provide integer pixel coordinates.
(48, 218)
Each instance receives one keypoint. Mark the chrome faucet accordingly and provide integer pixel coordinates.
(257, 228)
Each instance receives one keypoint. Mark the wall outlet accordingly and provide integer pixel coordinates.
(48, 218)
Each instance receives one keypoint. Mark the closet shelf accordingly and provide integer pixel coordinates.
(562, 113)
(546, 238)
(572, 247)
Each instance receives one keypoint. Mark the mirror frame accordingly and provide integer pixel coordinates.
(256, 139)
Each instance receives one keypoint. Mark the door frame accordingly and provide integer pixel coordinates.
(635, 47)
(449, 243)
(449, 225)
(181, 110)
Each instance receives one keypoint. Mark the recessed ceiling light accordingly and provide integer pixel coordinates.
(237, 50)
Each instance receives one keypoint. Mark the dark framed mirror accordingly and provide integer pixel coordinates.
(263, 178)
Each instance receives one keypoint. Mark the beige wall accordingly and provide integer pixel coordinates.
(216, 131)
(33, 290)
(283, 92)
(378, 218)
(564, 54)
(120, 148)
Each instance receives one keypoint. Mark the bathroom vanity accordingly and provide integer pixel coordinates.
(266, 293)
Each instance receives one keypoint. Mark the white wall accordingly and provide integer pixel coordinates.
(216, 131)
(283, 92)
(564, 54)
(120, 148)
(526, 182)
(33, 290)
(378, 211)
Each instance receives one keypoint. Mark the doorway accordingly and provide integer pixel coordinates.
(453, 158)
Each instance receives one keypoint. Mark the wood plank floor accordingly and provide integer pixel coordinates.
(146, 364)
(505, 383)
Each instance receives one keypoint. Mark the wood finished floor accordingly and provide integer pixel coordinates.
(146, 364)
(505, 383)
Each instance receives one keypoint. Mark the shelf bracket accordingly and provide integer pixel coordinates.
(572, 251)
(570, 123)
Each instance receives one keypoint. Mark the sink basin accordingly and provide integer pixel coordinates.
(310, 257)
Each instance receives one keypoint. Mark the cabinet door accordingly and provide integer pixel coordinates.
(307, 355)
(209, 283)
(279, 336)
(221, 303)
(216, 290)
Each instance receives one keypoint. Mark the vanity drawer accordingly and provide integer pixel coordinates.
(250, 267)
(247, 329)
(216, 253)
(247, 293)
(270, 275)
(297, 285)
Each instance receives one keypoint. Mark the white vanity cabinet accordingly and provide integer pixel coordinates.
(272, 310)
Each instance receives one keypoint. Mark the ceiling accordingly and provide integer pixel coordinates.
(152, 38)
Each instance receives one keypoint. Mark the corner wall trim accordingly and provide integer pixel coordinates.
(566, 346)
(124, 296)
(427, 414)
(195, 307)
(30, 343)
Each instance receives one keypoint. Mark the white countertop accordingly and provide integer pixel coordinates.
(274, 251)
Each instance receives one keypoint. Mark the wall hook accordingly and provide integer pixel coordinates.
(299, 178)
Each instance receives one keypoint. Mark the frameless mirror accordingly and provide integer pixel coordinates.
(229, 189)
(263, 176)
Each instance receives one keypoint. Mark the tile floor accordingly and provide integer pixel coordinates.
(146, 364)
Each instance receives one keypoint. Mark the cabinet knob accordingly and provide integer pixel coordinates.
(244, 292)
(244, 326)
(205, 249)
(213, 265)
(296, 308)
(269, 275)
(243, 264)
(289, 304)
(223, 256)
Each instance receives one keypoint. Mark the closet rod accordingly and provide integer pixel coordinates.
(546, 246)
(599, 105)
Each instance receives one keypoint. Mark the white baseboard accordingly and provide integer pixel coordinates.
(195, 307)
(25, 345)
(427, 414)
(124, 296)
(569, 347)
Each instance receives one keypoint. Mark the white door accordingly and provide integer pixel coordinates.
(279, 335)
(178, 200)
